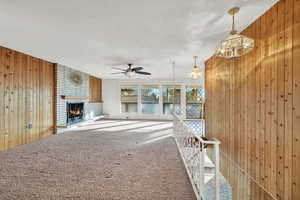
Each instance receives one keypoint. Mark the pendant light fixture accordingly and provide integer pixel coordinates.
(195, 74)
(235, 45)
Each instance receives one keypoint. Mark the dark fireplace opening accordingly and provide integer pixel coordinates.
(75, 112)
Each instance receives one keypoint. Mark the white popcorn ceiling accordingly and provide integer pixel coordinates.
(93, 35)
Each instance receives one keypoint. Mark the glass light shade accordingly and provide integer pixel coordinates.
(130, 74)
(195, 73)
(234, 46)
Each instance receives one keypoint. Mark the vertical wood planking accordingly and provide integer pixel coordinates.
(258, 98)
(242, 109)
(268, 67)
(231, 110)
(296, 102)
(237, 112)
(55, 97)
(29, 102)
(261, 100)
(51, 102)
(7, 97)
(2, 108)
(36, 99)
(288, 100)
(95, 89)
(25, 98)
(17, 100)
(252, 102)
(41, 98)
(274, 89)
(24, 65)
(280, 103)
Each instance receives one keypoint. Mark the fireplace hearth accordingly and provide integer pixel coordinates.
(75, 112)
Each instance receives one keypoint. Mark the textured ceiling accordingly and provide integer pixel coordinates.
(93, 35)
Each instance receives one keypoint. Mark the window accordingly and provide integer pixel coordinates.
(171, 94)
(150, 99)
(194, 98)
(162, 99)
(129, 99)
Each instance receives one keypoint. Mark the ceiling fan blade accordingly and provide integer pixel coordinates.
(144, 73)
(119, 69)
(118, 73)
(137, 68)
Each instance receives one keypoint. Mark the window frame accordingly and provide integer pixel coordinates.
(158, 87)
(137, 101)
(172, 87)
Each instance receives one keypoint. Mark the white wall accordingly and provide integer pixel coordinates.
(111, 95)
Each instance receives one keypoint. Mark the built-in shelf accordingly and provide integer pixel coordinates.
(74, 97)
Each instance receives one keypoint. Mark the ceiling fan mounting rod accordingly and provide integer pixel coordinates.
(233, 12)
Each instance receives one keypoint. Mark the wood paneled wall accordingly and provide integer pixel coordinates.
(26, 98)
(253, 104)
(95, 90)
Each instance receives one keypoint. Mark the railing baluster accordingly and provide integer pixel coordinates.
(191, 147)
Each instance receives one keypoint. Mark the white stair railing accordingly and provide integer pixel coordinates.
(192, 146)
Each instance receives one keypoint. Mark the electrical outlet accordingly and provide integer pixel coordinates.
(29, 126)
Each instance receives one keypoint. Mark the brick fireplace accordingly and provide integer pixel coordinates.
(66, 90)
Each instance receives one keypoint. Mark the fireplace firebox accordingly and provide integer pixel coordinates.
(75, 112)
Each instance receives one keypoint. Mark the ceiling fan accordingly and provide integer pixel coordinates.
(130, 71)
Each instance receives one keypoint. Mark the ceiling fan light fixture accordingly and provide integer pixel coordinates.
(235, 45)
(130, 74)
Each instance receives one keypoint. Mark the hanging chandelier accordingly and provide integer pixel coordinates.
(195, 74)
(235, 45)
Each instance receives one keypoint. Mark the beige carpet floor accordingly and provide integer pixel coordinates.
(107, 159)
